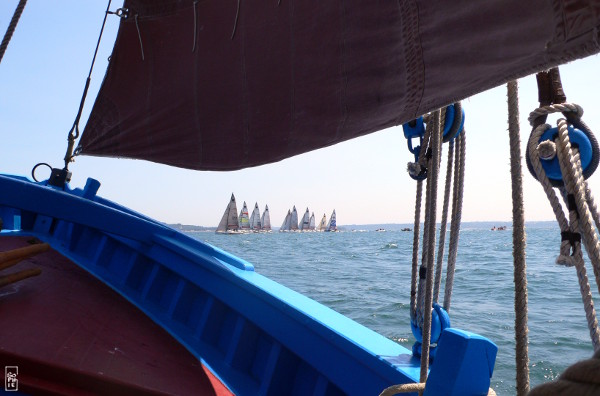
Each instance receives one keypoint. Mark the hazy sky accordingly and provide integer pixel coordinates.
(43, 74)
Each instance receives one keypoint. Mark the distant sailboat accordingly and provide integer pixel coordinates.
(255, 222)
(244, 219)
(229, 221)
(266, 220)
(323, 224)
(285, 226)
(332, 225)
(294, 220)
(311, 225)
(305, 222)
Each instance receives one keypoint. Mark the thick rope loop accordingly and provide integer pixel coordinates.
(574, 194)
(544, 111)
(573, 113)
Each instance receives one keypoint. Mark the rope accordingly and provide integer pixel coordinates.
(457, 199)
(574, 183)
(579, 379)
(570, 253)
(415, 257)
(430, 212)
(11, 27)
(74, 132)
(415, 387)
(403, 388)
(519, 241)
(442, 242)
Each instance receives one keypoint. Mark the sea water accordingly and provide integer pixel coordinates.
(365, 275)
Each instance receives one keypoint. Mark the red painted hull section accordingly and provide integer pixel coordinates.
(71, 334)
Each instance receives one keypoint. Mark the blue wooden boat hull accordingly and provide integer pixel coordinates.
(258, 336)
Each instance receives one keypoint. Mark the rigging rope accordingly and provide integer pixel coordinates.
(11, 27)
(427, 165)
(415, 257)
(74, 132)
(457, 199)
(570, 252)
(442, 242)
(429, 245)
(519, 242)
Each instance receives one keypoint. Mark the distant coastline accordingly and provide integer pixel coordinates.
(191, 228)
(356, 227)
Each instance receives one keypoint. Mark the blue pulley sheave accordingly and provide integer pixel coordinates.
(582, 139)
(453, 126)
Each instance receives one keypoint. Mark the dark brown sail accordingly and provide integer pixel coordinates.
(212, 86)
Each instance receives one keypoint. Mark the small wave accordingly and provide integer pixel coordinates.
(391, 246)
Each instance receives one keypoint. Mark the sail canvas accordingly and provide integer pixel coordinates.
(229, 221)
(294, 219)
(332, 225)
(266, 219)
(322, 223)
(244, 218)
(255, 222)
(285, 226)
(305, 222)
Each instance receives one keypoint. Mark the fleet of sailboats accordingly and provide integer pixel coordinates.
(232, 223)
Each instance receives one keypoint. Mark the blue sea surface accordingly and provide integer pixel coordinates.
(365, 275)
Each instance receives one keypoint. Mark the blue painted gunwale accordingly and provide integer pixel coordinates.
(258, 336)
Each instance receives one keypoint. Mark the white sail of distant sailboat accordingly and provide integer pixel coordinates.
(266, 220)
(332, 225)
(255, 223)
(285, 226)
(305, 222)
(294, 220)
(244, 219)
(311, 222)
(229, 221)
(322, 224)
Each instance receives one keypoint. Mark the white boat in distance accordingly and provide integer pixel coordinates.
(332, 225)
(305, 223)
(255, 221)
(265, 220)
(244, 219)
(294, 220)
(285, 226)
(322, 224)
(311, 222)
(229, 221)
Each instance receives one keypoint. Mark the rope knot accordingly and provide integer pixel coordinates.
(567, 261)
